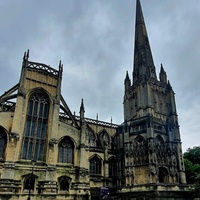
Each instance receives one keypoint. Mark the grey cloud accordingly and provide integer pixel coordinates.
(94, 40)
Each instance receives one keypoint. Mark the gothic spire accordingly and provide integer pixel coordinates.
(163, 75)
(143, 68)
(127, 81)
(82, 110)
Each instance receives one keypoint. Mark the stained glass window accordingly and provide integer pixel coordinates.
(36, 127)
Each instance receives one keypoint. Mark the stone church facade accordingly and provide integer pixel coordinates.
(47, 152)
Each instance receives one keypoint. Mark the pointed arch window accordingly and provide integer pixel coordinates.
(95, 165)
(35, 127)
(29, 182)
(112, 167)
(160, 149)
(66, 151)
(104, 139)
(64, 183)
(3, 142)
(159, 140)
(162, 175)
(92, 138)
(139, 150)
(139, 140)
(114, 143)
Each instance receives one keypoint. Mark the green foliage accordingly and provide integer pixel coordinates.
(192, 172)
(188, 171)
(192, 167)
(193, 155)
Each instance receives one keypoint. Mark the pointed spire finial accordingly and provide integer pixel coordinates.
(161, 68)
(82, 106)
(82, 109)
(60, 66)
(27, 56)
(24, 55)
(139, 13)
(127, 81)
(162, 75)
(143, 68)
(127, 76)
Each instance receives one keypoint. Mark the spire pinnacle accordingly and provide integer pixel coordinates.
(162, 75)
(60, 66)
(82, 109)
(127, 76)
(82, 106)
(144, 68)
(127, 81)
(27, 55)
(161, 69)
(24, 55)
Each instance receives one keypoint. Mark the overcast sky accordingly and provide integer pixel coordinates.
(94, 40)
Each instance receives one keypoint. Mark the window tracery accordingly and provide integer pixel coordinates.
(36, 127)
(114, 143)
(160, 149)
(95, 165)
(139, 150)
(112, 167)
(104, 139)
(92, 138)
(66, 151)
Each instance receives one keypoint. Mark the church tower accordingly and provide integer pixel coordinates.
(150, 155)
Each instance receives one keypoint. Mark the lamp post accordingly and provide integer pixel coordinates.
(30, 179)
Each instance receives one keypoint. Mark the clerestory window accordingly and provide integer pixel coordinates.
(35, 127)
(104, 139)
(91, 138)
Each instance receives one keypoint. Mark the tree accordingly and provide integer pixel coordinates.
(192, 167)
(193, 155)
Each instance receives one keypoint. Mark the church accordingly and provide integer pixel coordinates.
(47, 152)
